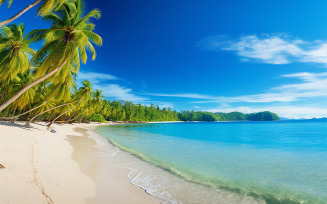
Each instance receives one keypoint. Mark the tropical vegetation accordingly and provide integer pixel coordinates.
(233, 116)
(41, 84)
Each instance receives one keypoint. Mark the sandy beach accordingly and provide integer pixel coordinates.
(69, 166)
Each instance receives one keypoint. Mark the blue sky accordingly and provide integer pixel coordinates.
(209, 55)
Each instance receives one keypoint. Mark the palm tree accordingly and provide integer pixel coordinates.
(42, 98)
(58, 106)
(84, 96)
(27, 98)
(14, 53)
(66, 42)
(96, 101)
(62, 95)
(93, 105)
(105, 111)
(63, 91)
(45, 7)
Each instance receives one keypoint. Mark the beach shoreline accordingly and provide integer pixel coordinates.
(69, 166)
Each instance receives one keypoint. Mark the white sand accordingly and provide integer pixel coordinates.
(61, 167)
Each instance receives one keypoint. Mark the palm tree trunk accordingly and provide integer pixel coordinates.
(3, 106)
(9, 20)
(17, 116)
(65, 112)
(31, 120)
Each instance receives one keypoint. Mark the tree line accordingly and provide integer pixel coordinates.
(233, 116)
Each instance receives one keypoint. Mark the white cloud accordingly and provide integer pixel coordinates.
(306, 76)
(103, 81)
(96, 77)
(312, 85)
(119, 92)
(271, 49)
(316, 54)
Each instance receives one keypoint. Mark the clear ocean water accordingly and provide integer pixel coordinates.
(236, 162)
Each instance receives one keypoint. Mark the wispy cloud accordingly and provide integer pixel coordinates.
(312, 82)
(271, 49)
(119, 92)
(116, 91)
(104, 81)
(96, 77)
(311, 85)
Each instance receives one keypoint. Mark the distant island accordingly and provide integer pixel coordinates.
(233, 116)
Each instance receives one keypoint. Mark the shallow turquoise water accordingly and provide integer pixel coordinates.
(279, 162)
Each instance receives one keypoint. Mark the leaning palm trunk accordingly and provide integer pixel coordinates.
(9, 20)
(3, 106)
(31, 120)
(65, 112)
(17, 116)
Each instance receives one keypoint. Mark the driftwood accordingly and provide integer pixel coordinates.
(1, 166)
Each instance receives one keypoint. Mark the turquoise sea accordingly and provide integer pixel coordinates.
(254, 162)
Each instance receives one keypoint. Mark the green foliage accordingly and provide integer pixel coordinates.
(263, 116)
(98, 118)
(233, 116)
(127, 111)
(69, 37)
(14, 53)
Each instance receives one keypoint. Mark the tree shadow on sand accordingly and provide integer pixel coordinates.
(23, 126)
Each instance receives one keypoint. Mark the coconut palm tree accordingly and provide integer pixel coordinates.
(62, 92)
(41, 98)
(27, 98)
(45, 7)
(66, 42)
(93, 105)
(96, 101)
(83, 95)
(105, 111)
(62, 95)
(14, 53)
(58, 106)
